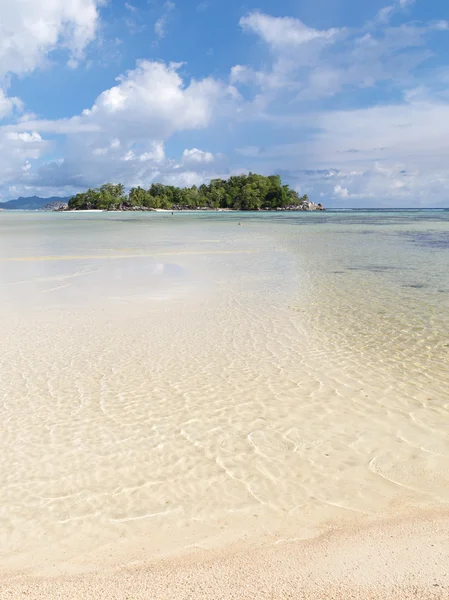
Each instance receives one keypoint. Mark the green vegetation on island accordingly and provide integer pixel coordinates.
(239, 192)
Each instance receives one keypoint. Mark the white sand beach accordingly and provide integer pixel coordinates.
(393, 560)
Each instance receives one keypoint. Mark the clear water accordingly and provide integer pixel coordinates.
(171, 382)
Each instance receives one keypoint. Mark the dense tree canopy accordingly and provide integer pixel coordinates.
(239, 192)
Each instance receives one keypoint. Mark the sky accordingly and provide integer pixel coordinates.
(347, 100)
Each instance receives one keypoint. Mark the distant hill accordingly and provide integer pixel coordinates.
(31, 203)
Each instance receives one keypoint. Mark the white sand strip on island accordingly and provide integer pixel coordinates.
(393, 560)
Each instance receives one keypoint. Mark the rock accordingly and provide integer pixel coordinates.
(127, 206)
(56, 206)
(303, 206)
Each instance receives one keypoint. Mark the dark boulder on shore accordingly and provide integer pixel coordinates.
(56, 206)
(303, 206)
(127, 206)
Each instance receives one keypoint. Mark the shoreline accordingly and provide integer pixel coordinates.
(186, 210)
(392, 559)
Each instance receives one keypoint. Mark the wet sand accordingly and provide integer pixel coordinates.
(392, 560)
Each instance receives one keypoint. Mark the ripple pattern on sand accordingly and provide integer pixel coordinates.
(265, 383)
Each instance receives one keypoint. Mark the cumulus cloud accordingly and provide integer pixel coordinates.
(121, 136)
(27, 138)
(341, 192)
(30, 30)
(115, 163)
(197, 156)
(152, 101)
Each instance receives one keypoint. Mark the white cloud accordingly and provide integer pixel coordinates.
(25, 137)
(154, 156)
(8, 105)
(341, 192)
(416, 131)
(152, 101)
(391, 152)
(197, 156)
(283, 32)
(384, 15)
(17, 150)
(398, 152)
(16, 147)
(121, 137)
(161, 24)
(318, 63)
(29, 30)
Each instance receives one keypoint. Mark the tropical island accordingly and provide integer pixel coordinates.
(239, 192)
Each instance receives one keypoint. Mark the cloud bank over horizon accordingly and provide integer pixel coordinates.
(352, 110)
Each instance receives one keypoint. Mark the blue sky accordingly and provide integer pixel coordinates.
(347, 100)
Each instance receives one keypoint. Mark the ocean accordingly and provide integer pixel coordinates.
(190, 381)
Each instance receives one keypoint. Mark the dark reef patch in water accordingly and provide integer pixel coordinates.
(375, 268)
(438, 240)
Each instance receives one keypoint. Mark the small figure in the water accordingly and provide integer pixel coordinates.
(172, 213)
(239, 223)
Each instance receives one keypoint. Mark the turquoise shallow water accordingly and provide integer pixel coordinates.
(169, 382)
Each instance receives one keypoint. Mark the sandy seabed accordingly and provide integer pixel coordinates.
(395, 560)
(321, 397)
